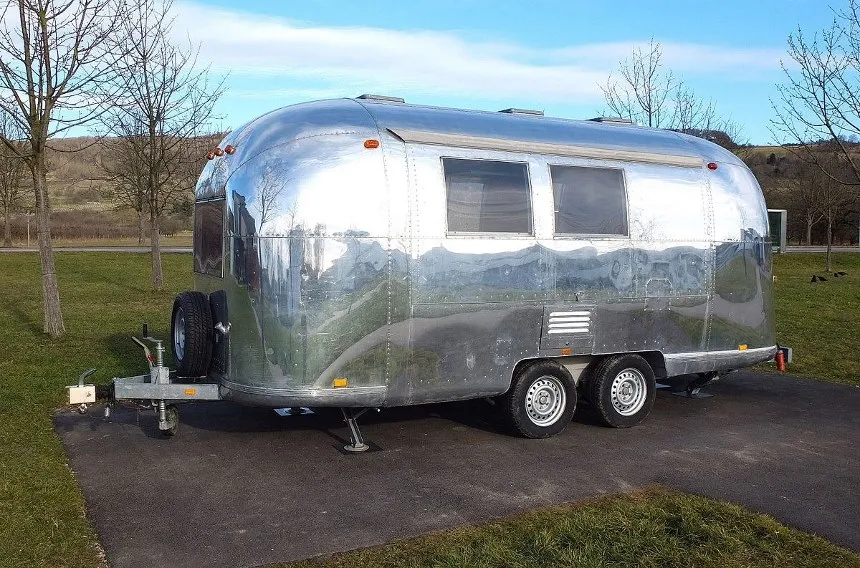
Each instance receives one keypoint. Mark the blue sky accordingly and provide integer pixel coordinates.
(544, 54)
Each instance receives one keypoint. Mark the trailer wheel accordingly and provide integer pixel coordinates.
(172, 416)
(623, 390)
(191, 334)
(541, 401)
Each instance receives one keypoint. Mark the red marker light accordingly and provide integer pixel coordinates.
(219, 152)
(371, 143)
(712, 166)
(229, 149)
(210, 156)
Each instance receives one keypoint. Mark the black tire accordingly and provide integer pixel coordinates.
(622, 390)
(191, 334)
(172, 415)
(544, 381)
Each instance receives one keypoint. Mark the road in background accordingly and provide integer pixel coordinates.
(102, 249)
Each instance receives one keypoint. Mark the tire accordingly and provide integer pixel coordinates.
(172, 414)
(191, 334)
(541, 401)
(622, 390)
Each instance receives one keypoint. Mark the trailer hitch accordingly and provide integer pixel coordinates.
(82, 394)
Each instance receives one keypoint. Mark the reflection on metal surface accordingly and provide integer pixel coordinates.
(338, 262)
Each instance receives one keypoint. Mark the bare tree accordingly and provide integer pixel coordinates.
(12, 170)
(820, 98)
(649, 94)
(643, 92)
(127, 177)
(166, 102)
(268, 191)
(53, 65)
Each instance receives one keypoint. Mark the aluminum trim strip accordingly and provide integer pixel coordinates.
(519, 146)
(581, 330)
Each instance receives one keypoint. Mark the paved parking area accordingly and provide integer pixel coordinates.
(243, 486)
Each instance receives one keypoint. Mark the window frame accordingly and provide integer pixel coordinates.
(529, 196)
(624, 188)
(194, 248)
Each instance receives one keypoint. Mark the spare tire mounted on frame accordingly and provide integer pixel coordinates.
(191, 334)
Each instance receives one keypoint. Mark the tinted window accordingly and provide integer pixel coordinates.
(487, 197)
(589, 201)
(209, 237)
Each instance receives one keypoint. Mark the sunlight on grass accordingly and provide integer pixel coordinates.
(653, 527)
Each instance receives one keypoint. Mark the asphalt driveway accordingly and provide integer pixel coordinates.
(244, 486)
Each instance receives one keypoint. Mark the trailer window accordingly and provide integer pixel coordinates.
(209, 237)
(486, 196)
(589, 201)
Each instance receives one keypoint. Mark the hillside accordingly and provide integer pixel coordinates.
(84, 208)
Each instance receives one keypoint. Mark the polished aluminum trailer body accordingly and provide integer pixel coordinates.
(333, 260)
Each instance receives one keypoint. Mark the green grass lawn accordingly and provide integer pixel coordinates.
(819, 321)
(655, 527)
(105, 298)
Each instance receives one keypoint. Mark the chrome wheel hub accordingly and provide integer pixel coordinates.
(179, 334)
(545, 401)
(628, 392)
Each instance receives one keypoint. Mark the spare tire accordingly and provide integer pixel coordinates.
(191, 334)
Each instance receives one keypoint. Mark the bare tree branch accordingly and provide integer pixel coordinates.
(165, 101)
(55, 73)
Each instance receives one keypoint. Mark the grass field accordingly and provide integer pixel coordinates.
(654, 527)
(107, 295)
(819, 321)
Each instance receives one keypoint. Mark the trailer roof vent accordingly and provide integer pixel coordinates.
(522, 111)
(380, 98)
(611, 120)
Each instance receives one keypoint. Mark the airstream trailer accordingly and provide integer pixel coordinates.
(365, 253)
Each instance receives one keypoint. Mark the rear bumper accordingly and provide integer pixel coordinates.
(712, 361)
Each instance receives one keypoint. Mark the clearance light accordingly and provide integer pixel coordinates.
(567, 351)
(190, 392)
(712, 166)
(371, 143)
(210, 156)
(340, 383)
(742, 347)
(228, 149)
(219, 152)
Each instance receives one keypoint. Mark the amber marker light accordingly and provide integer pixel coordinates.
(567, 351)
(228, 149)
(742, 347)
(712, 166)
(371, 143)
(190, 392)
(340, 383)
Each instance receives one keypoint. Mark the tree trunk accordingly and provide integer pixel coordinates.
(809, 224)
(155, 239)
(7, 231)
(141, 226)
(50, 290)
(829, 244)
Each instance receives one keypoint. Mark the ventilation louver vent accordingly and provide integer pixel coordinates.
(569, 322)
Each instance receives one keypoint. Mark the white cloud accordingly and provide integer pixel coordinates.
(319, 60)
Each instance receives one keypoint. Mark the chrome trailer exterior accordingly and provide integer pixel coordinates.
(336, 240)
